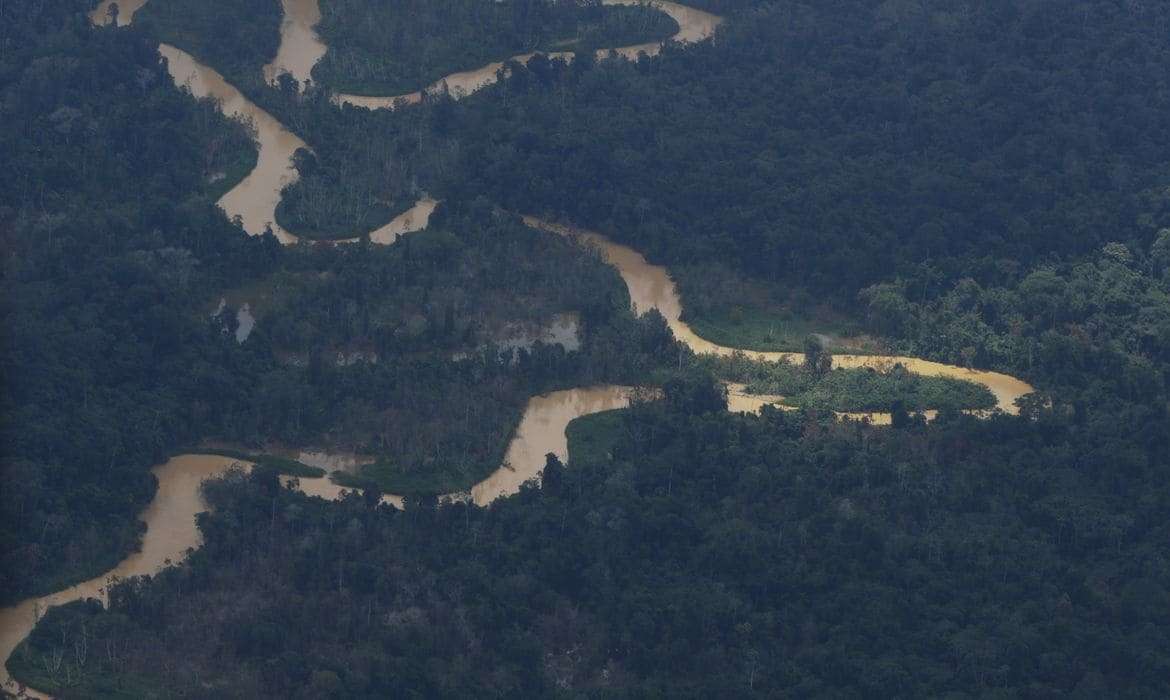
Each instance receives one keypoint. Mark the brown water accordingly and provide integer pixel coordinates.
(694, 25)
(740, 401)
(170, 518)
(254, 200)
(652, 288)
(409, 221)
(126, 10)
(300, 47)
(541, 431)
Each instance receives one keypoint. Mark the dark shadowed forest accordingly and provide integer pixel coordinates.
(982, 184)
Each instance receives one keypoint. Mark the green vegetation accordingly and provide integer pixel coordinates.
(78, 620)
(235, 37)
(838, 143)
(735, 311)
(854, 389)
(111, 362)
(934, 169)
(591, 438)
(690, 554)
(448, 289)
(315, 212)
(403, 312)
(753, 329)
(281, 465)
(392, 48)
(106, 213)
(856, 158)
(390, 477)
(222, 181)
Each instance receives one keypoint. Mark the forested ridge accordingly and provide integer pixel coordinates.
(985, 185)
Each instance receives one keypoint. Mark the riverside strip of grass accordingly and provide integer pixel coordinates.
(853, 389)
(283, 465)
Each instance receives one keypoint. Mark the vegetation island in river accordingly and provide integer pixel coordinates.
(982, 185)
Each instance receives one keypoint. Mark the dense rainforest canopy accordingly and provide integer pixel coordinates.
(391, 48)
(986, 184)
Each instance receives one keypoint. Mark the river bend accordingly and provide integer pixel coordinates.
(170, 517)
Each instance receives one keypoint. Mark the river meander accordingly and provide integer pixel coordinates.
(170, 516)
(651, 287)
(693, 25)
(254, 199)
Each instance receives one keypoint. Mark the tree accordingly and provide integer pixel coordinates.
(816, 360)
(553, 474)
(371, 495)
(887, 308)
(899, 416)
(696, 392)
(1160, 252)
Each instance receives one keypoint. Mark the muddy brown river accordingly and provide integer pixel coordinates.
(255, 198)
(651, 287)
(126, 10)
(170, 516)
(300, 47)
(693, 25)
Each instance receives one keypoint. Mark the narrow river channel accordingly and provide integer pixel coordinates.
(170, 517)
(693, 26)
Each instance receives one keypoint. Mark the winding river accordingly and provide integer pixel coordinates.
(652, 288)
(254, 199)
(693, 25)
(170, 516)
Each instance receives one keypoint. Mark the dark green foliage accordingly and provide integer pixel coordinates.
(1107, 317)
(110, 363)
(694, 554)
(843, 143)
(399, 46)
(105, 212)
(695, 393)
(421, 383)
(984, 183)
(236, 37)
(279, 465)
